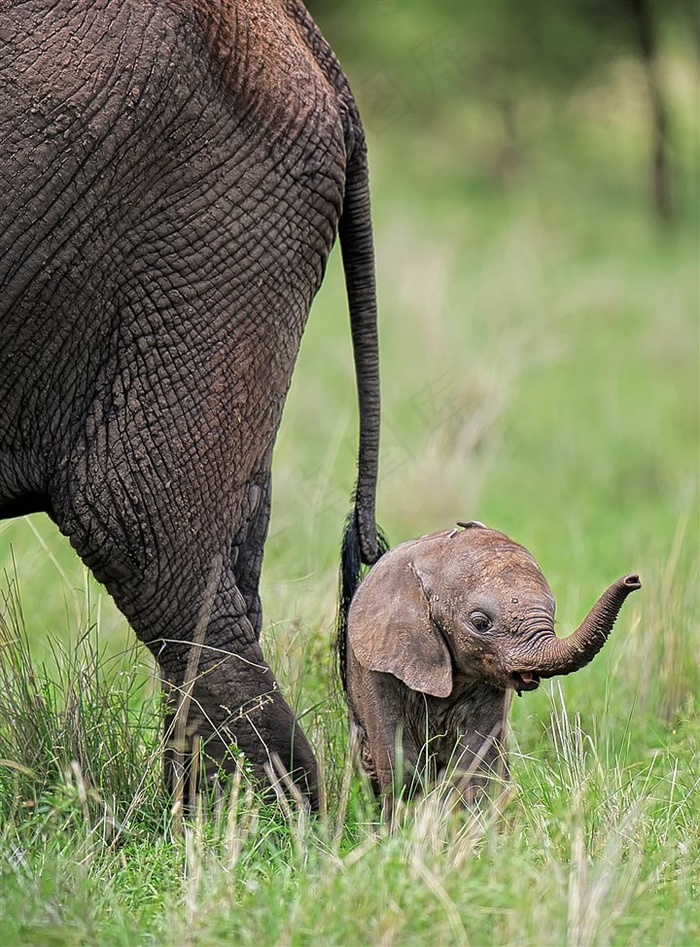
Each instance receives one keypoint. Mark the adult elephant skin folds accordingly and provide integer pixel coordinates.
(172, 178)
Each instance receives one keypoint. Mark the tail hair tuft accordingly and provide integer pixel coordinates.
(351, 573)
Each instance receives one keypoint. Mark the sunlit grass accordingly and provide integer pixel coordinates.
(587, 850)
(84, 719)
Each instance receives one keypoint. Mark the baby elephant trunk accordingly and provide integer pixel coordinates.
(565, 655)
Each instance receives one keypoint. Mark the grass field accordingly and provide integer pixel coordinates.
(539, 336)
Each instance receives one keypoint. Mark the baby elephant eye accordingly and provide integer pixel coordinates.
(480, 621)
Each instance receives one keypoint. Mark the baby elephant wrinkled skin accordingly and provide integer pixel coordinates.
(439, 634)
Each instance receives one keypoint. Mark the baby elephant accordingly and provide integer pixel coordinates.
(439, 634)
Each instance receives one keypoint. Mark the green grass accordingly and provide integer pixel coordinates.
(539, 337)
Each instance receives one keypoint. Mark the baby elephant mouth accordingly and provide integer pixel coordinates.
(525, 681)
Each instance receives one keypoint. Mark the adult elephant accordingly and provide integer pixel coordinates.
(174, 174)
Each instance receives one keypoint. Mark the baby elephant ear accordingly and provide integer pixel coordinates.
(390, 628)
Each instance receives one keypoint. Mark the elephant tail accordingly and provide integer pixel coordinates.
(349, 581)
(363, 541)
(357, 246)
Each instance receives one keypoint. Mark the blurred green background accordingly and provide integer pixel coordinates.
(534, 171)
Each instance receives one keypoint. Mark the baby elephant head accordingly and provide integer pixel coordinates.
(461, 618)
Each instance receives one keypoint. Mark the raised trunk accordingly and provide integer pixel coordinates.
(565, 655)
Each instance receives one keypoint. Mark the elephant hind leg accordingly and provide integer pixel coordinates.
(168, 560)
(225, 698)
(256, 730)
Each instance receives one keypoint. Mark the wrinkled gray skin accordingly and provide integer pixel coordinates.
(172, 179)
(440, 633)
